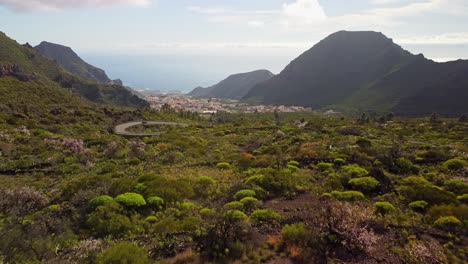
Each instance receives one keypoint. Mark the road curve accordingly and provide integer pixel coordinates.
(122, 128)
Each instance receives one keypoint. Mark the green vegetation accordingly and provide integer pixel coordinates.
(174, 203)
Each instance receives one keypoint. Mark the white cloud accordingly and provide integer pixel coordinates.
(460, 38)
(384, 2)
(29, 5)
(303, 12)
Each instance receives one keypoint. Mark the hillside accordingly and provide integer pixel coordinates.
(235, 86)
(28, 66)
(368, 71)
(71, 62)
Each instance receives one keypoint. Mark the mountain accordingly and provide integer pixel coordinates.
(25, 64)
(71, 62)
(233, 87)
(368, 71)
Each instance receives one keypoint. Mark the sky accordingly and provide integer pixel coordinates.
(181, 44)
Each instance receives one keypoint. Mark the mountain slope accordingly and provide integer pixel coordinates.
(27, 65)
(366, 71)
(235, 86)
(71, 62)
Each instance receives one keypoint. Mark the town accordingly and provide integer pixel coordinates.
(215, 105)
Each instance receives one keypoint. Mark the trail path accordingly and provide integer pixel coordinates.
(122, 128)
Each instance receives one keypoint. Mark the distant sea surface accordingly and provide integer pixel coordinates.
(183, 73)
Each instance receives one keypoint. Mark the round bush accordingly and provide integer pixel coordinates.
(463, 198)
(156, 202)
(339, 162)
(364, 183)
(348, 195)
(293, 163)
(418, 206)
(130, 200)
(234, 206)
(383, 208)
(100, 200)
(323, 166)
(448, 223)
(296, 234)
(264, 216)
(124, 252)
(250, 203)
(244, 193)
(223, 166)
(151, 219)
(255, 179)
(455, 164)
(355, 171)
(235, 215)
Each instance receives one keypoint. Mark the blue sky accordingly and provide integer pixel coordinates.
(180, 44)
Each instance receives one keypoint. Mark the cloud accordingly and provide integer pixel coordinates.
(460, 38)
(30, 5)
(303, 12)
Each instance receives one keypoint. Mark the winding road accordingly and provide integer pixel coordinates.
(122, 128)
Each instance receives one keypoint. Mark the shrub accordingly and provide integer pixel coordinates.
(235, 216)
(365, 184)
(207, 212)
(244, 193)
(418, 206)
(155, 202)
(171, 190)
(264, 216)
(455, 164)
(404, 166)
(223, 166)
(203, 186)
(250, 203)
(463, 198)
(131, 200)
(324, 166)
(293, 163)
(355, 171)
(109, 219)
(255, 179)
(448, 223)
(456, 186)
(124, 252)
(100, 200)
(348, 195)
(234, 206)
(292, 168)
(327, 195)
(383, 208)
(364, 143)
(151, 219)
(295, 234)
(339, 162)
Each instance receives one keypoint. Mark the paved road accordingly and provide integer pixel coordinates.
(122, 128)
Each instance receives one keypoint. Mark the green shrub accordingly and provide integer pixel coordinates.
(339, 162)
(131, 200)
(463, 198)
(383, 208)
(448, 223)
(418, 206)
(327, 195)
(244, 193)
(155, 202)
(296, 234)
(235, 216)
(171, 190)
(204, 186)
(293, 163)
(404, 166)
(365, 184)
(456, 186)
(250, 203)
(455, 164)
(234, 206)
(151, 219)
(124, 252)
(419, 189)
(264, 216)
(293, 168)
(223, 166)
(207, 212)
(255, 179)
(324, 166)
(348, 195)
(355, 171)
(100, 200)
(109, 219)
